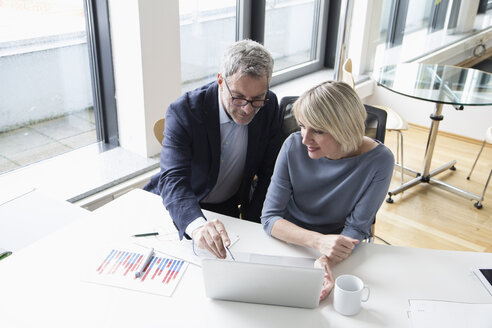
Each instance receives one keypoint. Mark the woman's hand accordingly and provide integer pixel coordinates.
(328, 281)
(336, 247)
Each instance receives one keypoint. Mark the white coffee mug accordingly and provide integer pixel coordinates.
(348, 294)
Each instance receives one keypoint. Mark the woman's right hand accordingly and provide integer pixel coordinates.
(328, 281)
(336, 247)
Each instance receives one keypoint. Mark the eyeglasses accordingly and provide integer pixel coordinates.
(243, 102)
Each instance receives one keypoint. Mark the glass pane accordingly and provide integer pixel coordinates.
(46, 105)
(207, 28)
(291, 31)
(423, 27)
(418, 15)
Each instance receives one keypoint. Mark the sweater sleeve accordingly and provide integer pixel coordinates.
(359, 221)
(279, 191)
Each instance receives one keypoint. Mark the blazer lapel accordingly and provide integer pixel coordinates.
(253, 140)
(212, 126)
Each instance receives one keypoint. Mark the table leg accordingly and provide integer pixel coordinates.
(436, 118)
(426, 175)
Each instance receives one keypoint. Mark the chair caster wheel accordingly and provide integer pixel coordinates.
(389, 200)
(453, 168)
(478, 205)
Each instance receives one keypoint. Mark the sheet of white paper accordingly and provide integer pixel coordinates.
(14, 192)
(433, 313)
(167, 241)
(182, 249)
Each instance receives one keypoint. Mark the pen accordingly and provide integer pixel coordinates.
(146, 234)
(145, 262)
(230, 253)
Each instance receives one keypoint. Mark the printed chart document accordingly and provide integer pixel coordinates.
(117, 267)
(433, 313)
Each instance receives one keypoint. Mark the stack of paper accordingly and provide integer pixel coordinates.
(433, 313)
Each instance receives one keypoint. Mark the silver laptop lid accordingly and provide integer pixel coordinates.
(264, 279)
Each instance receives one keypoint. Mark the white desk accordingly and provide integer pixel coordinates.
(27, 215)
(40, 286)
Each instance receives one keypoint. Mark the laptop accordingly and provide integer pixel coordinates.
(264, 279)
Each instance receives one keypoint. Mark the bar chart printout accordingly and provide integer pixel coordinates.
(118, 267)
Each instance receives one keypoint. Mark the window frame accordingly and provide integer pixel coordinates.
(102, 74)
(250, 24)
(318, 63)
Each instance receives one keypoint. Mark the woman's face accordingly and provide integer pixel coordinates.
(320, 144)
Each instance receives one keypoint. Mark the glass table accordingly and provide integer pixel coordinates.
(440, 84)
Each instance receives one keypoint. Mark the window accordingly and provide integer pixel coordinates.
(402, 30)
(47, 95)
(207, 28)
(292, 30)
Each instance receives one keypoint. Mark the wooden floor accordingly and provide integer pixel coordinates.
(428, 217)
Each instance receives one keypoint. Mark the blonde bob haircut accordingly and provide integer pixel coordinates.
(335, 108)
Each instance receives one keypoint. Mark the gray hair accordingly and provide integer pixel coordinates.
(247, 57)
(334, 107)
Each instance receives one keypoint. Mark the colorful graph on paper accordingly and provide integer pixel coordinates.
(118, 267)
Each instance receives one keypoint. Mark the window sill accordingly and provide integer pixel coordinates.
(295, 87)
(79, 174)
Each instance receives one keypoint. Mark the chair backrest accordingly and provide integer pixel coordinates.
(289, 123)
(159, 130)
(375, 121)
(347, 75)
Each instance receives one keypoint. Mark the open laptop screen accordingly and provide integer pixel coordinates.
(264, 279)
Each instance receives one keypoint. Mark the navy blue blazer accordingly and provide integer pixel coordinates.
(191, 152)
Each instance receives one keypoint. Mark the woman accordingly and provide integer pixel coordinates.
(329, 179)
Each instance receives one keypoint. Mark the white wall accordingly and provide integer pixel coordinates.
(146, 58)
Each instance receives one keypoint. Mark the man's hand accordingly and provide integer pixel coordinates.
(328, 282)
(336, 247)
(213, 237)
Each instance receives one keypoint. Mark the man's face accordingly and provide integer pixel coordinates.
(236, 90)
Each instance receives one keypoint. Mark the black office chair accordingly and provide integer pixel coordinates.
(289, 123)
(375, 128)
(375, 121)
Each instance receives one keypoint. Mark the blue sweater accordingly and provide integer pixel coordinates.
(328, 196)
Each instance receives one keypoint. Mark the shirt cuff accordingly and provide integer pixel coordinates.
(197, 223)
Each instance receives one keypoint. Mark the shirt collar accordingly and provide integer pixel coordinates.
(223, 117)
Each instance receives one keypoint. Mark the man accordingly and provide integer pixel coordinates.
(217, 139)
